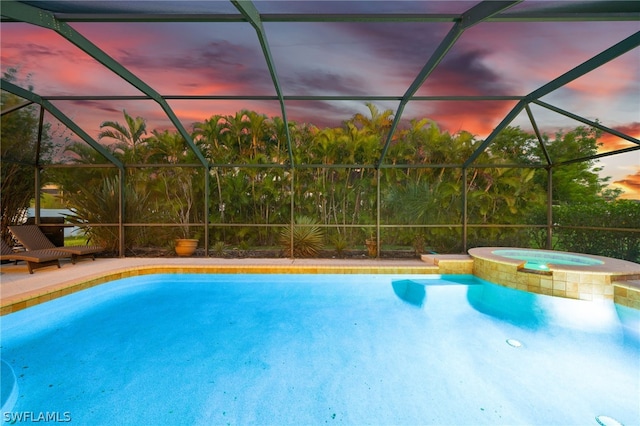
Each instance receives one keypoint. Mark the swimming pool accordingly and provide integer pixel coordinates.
(310, 349)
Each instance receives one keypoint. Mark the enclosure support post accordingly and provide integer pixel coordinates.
(37, 196)
(464, 209)
(549, 207)
(292, 215)
(121, 208)
(379, 243)
(37, 183)
(207, 171)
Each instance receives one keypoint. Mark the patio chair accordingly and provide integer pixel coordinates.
(32, 238)
(35, 259)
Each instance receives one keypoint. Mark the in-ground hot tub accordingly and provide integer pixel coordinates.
(557, 273)
(541, 259)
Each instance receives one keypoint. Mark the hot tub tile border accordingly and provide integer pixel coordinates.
(589, 283)
(627, 293)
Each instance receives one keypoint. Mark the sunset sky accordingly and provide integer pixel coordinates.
(347, 59)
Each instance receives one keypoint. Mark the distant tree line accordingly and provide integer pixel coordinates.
(335, 185)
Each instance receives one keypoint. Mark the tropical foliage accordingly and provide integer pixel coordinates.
(577, 223)
(420, 194)
(308, 238)
(18, 147)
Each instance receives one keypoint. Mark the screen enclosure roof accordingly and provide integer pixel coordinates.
(469, 65)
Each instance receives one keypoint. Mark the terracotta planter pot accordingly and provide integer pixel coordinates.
(186, 246)
(372, 247)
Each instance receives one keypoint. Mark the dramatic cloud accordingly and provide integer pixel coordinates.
(631, 185)
(340, 59)
(213, 68)
(101, 106)
(322, 82)
(320, 113)
(409, 44)
(478, 117)
(465, 73)
(611, 142)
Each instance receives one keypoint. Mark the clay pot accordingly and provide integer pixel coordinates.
(186, 246)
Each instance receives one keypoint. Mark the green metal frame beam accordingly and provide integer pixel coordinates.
(249, 11)
(42, 18)
(601, 155)
(587, 121)
(476, 14)
(21, 105)
(485, 10)
(600, 59)
(53, 110)
(538, 135)
(504, 123)
(284, 97)
(608, 10)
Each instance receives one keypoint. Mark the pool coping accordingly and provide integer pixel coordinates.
(20, 290)
(608, 266)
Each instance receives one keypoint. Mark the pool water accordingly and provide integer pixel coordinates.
(538, 257)
(316, 349)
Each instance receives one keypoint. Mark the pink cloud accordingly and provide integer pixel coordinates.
(527, 55)
(611, 142)
(223, 58)
(477, 117)
(631, 186)
(610, 80)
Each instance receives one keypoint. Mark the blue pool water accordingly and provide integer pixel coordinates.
(540, 257)
(322, 349)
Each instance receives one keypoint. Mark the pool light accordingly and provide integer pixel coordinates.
(537, 266)
(607, 421)
(514, 343)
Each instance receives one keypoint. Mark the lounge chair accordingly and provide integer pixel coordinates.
(32, 238)
(35, 259)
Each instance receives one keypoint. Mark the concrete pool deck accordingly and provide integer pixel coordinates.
(19, 289)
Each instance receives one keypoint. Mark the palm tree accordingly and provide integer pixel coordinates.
(129, 136)
(210, 132)
(167, 147)
(210, 138)
(278, 136)
(235, 126)
(379, 123)
(256, 125)
(178, 188)
(75, 181)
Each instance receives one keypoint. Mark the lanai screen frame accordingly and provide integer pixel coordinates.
(56, 16)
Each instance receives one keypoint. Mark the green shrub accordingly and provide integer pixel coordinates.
(307, 238)
(340, 243)
(578, 222)
(99, 204)
(218, 248)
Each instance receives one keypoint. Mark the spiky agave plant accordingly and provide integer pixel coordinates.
(308, 238)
